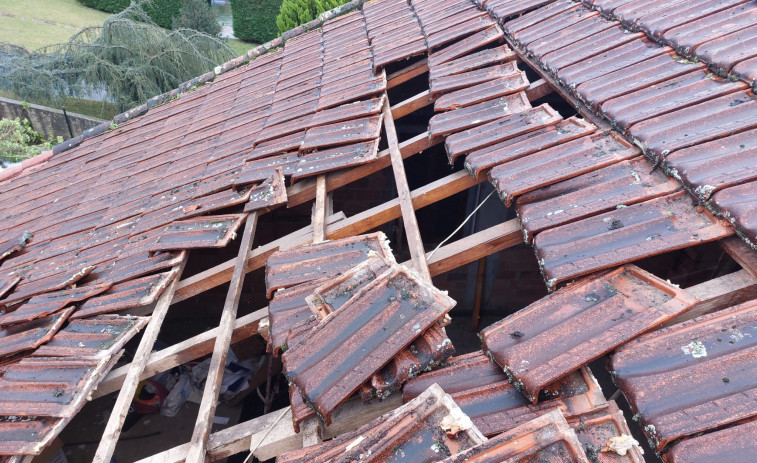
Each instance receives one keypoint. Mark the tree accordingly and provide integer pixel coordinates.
(296, 12)
(196, 15)
(128, 60)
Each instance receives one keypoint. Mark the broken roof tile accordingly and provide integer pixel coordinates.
(640, 230)
(342, 133)
(14, 245)
(560, 162)
(420, 430)
(603, 190)
(605, 433)
(327, 160)
(138, 292)
(287, 309)
(27, 336)
(486, 91)
(710, 167)
(30, 286)
(50, 387)
(48, 303)
(713, 119)
(501, 129)
(466, 79)
(321, 260)
(479, 161)
(480, 113)
(578, 324)
(272, 192)
(27, 435)
(210, 231)
(96, 337)
(134, 263)
(741, 448)
(692, 377)
(383, 318)
(547, 438)
(7, 283)
(471, 62)
(485, 394)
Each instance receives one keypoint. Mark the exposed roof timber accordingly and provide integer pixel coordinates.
(207, 411)
(714, 295)
(403, 75)
(741, 253)
(414, 240)
(123, 402)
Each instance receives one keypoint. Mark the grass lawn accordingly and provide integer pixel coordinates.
(36, 23)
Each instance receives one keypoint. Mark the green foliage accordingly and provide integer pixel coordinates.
(129, 58)
(18, 141)
(162, 12)
(255, 20)
(196, 15)
(296, 12)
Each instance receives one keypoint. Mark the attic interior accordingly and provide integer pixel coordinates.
(609, 310)
(486, 290)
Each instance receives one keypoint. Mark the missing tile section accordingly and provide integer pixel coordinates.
(412, 432)
(579, 324)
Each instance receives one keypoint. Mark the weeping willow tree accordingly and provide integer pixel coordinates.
(127, 60)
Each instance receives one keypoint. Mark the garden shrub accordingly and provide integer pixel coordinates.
(162, 12)
(255, 20)
(296, 12)
(18, 141)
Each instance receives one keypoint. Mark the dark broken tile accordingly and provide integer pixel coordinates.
(578, 324)
(327, 160)
(548, 438)
(484, 392)
(482, 92)
(211, 231)
(271, 193)
(499, 130)
(14, 245)
(466, 79)
(478, 162)
(48, 303)
(741, 446)
(138, 292)
(692, 377)
(422, 430)
(392, 310)
(322, 260)
(480, 113)
(97, 337)
(342, 133)
(640, 230)
(27, 336)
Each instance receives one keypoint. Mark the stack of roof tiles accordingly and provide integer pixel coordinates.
(349, 319)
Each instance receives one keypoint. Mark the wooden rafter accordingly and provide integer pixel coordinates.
(414, 241)
(199, 442)
(128, 388)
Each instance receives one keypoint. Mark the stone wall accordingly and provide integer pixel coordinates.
(48, 122)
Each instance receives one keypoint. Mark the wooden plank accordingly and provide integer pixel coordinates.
(319, 210)
(282, 437)
(304, 191)
(121, 407)
(221, 273)
(185, 351)
(538, 89)
(741, 253)
(476, 246)
(720, 293)
(199, 442)
(414, 241)
(412, 104)
(403, 75)
(390, 210)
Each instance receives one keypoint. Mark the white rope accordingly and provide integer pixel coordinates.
(268, 431)
(461, 226)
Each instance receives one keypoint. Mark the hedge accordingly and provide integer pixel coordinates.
(296, 12)
(255, 20)
(160, 11)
